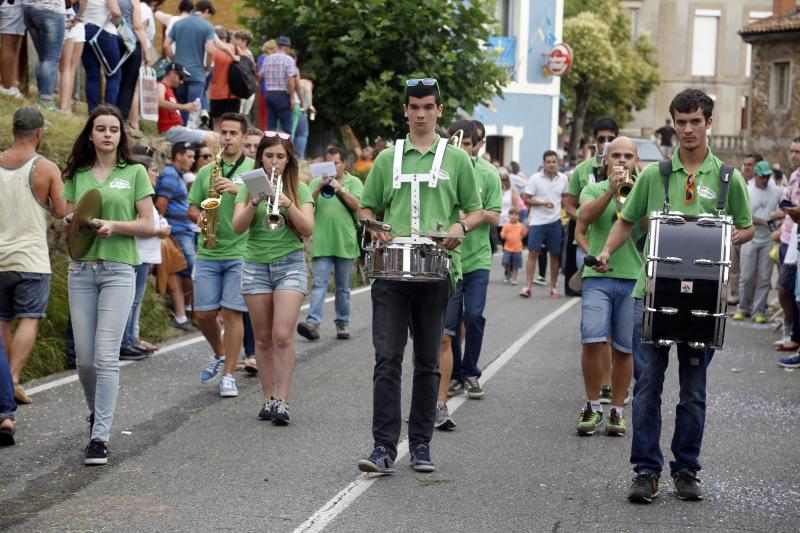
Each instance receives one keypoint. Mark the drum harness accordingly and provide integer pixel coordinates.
(725, 172)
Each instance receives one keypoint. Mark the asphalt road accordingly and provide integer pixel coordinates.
(182, 459)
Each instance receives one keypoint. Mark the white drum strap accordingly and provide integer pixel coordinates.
(592, 179)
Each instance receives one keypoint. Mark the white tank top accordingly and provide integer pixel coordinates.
(23, 222)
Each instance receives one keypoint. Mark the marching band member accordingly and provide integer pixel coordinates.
(421, 183)
(695, 185)
(274, 278)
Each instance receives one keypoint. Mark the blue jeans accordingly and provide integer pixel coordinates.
(110, 48)
(130, 78)
(343, 281)
(249, 341)
(131, 330)
(649, 366)
(473, 295)
(100, 299)
(279, 108)
(8, 405)
(301, 136)
(189, 91)
(47, 32)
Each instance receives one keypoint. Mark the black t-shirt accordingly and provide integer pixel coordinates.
(666, 133)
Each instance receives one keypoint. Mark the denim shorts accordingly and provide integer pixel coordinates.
(23, 295)
(549, 234)
(512, 259)
(217, 284)
(287, 273)
(185, 240)
(607, 308)
(455, 311)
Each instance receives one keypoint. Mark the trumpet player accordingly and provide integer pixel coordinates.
(274, 278)
(218, 267)
(606, 303)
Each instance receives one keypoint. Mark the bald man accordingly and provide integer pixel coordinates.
(606, 304)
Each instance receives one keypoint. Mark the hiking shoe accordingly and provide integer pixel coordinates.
(785, 362)
(342, 331)
(539, 280)
(589, 420)
(615, 424)
(738, 315)
(644, 488)
(96, 453)
(212, 369)
(267, 412)
(456, 388)
(473, 388)
(687, 486)
(308, 330)
(227, 387)
(250, 365)
(280, 413)
(759, 319)
(378, 462)
(443, 420)
(421, 458)
(185, 326)
(605, 395)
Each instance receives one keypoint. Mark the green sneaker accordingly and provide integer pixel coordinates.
(589, 420)
(759, 319)
(738, 315)
(605, 394)
(615, 425)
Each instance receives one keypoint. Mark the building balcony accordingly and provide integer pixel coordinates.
(728, 144)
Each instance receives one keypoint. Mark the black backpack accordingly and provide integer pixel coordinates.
(242, 77)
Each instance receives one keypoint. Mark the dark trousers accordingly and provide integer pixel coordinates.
(249, 341)
(130, 78)
(568, 265)
(8, 405)
(279, 107)
(395, 306)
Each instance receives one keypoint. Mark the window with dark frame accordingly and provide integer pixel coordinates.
(779, 85)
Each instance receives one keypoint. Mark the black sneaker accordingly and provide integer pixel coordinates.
(129, 353)
(644, 488)
(96, 453)
(268, 410)
(687, 486)
(308, 330)
(186, 326)
(280, 413)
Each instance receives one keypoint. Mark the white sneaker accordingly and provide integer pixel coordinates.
(12, 92)
(227, 387)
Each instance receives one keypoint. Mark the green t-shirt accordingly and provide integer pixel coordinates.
(648, 196)
(265, 246)
(476, 250)
(334, 228)
(439, 205)
(580, 176)
(229, 244)
(626, 262)
(126, 185)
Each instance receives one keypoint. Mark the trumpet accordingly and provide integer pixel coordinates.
(457, 138)
(273, 220)
(623, 185)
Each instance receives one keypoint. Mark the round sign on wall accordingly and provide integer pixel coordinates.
(558, 60)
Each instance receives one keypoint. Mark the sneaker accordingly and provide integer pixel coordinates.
(785, 362)
(514, 282)
(456, 388)
(12, 92)
(539, 280)
(212, 369)
(421, 458)
(227, 387)
(473, 388)
(250, 365)
(738, 315)
(589, 420)
(615, 425)
(759, 319)
(96, 453)
(644, 488)
(507, 280)
(378, 462)
(342, 331)
(525, 293)
(605, 395)
(268, 410)
(280, 413)
(47, 104)
(443, 420)
(687, 486)
(308, 330)
(185, 326)
(129, 353)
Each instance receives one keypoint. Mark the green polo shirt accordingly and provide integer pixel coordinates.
(229, 244)
(334, 228)
(580, 176)
(439, 205)
(648, 196)
(126, 185)
(627, 261)
(476, 251)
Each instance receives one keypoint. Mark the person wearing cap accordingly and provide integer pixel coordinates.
(279, 72)
(756, 265)
(423, 183)
(30, 191)
(170, 123)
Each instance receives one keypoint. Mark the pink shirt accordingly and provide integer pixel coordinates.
(793, 195)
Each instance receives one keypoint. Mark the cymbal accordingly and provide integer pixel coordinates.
(82, 228)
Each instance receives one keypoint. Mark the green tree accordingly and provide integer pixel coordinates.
(360, 52)
(611, 75)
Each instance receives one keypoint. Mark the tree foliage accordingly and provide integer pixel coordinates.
(612, 74)
(360, 52)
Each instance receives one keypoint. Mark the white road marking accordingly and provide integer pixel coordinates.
(351, 492)
(171, 348)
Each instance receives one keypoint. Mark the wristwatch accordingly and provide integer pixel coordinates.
(463, 226)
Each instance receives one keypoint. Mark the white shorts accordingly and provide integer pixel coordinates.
(76, 34)
(11, 20)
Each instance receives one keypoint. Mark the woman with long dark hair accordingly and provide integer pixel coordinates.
(101, 285)
(274, 276)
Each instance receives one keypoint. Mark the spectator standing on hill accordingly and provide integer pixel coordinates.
(129, 83)
(70, 58)
(279, 72)
(101, 18)
(270, 47)
(45, 21)
(221, 99)
(12, 32)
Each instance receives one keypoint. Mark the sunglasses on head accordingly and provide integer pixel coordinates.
(279, 134)
(605, 138)
(428, 82)
(689, 190)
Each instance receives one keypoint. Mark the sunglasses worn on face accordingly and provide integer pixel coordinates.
(206, 156)
(605, 139)
(689, 189)
(279, 134)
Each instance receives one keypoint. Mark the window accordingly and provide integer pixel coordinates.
(704, 42)
(779, 85)
(505, 14)
(634, 14)
(748, 58)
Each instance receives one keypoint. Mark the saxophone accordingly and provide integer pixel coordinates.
(210, 205)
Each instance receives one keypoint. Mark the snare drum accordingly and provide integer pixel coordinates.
(686, 294)
(405, 261)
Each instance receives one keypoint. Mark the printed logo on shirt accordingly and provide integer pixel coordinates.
(706, 192)
(120, 184)
(237, 180)
(442, 175)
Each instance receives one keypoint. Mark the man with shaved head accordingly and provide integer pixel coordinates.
(606, 304)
